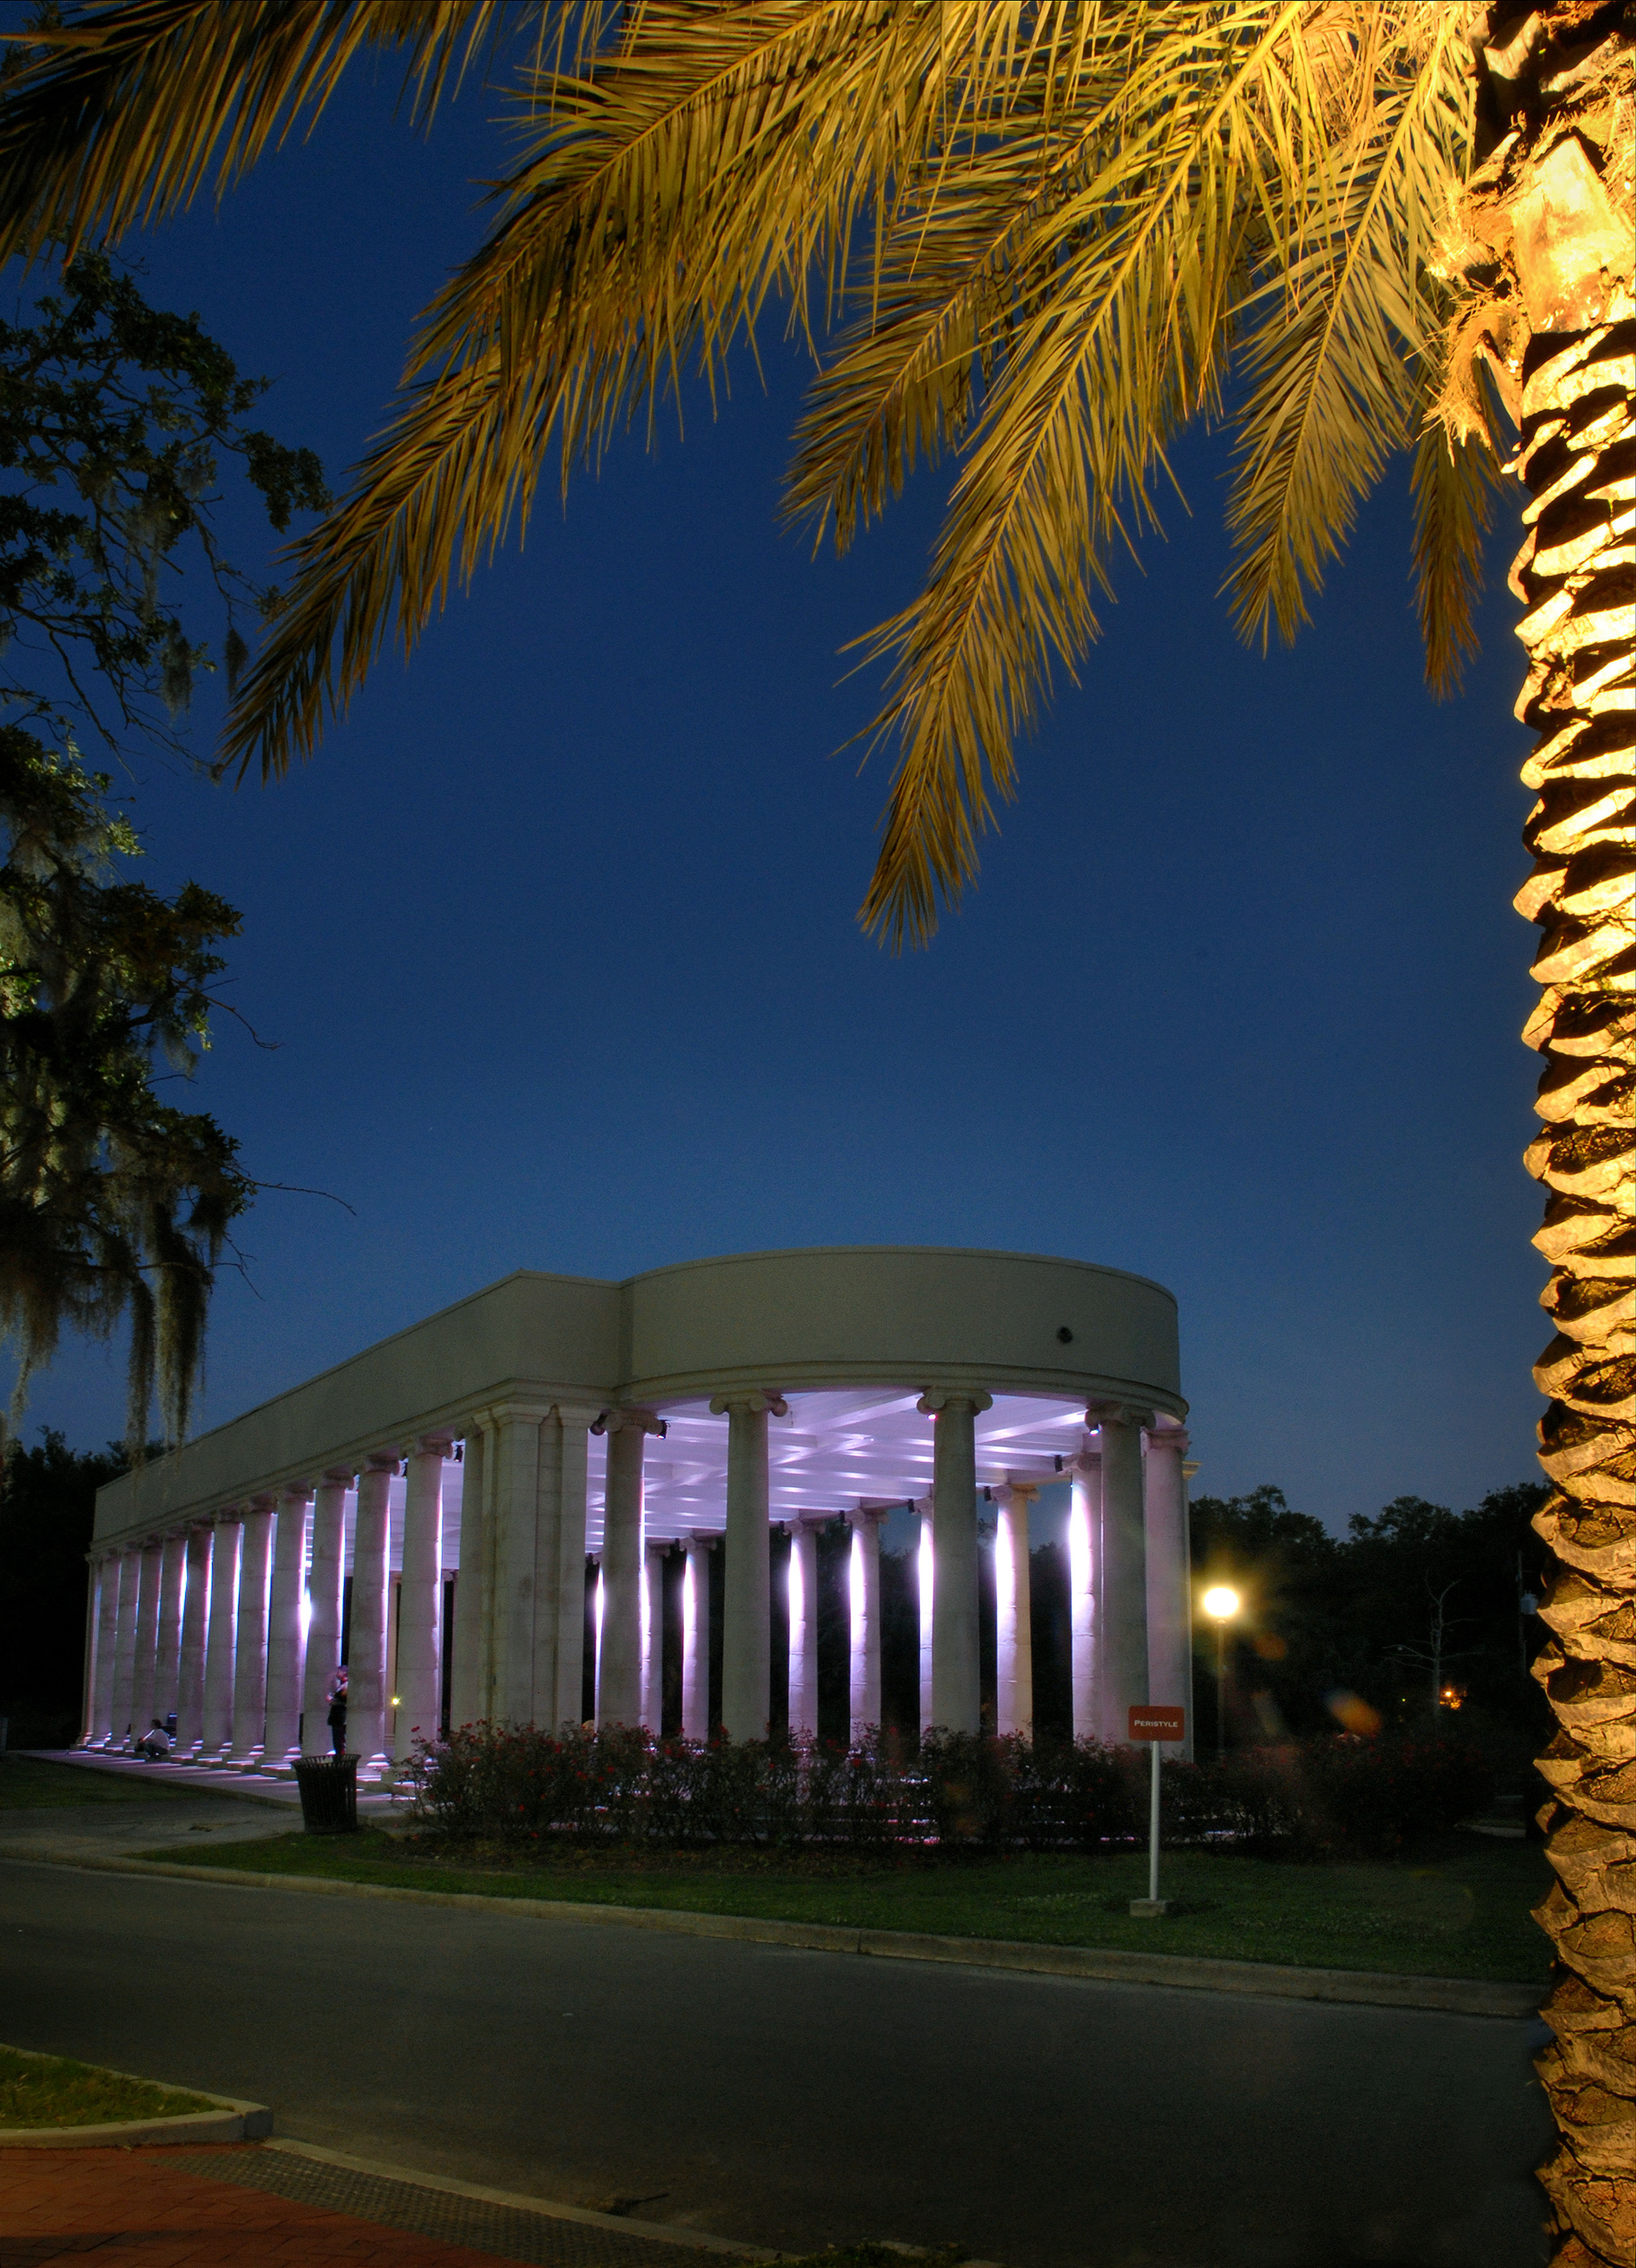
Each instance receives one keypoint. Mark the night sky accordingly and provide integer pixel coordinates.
(556, 940)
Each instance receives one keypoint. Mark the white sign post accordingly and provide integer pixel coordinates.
(1154, 1723)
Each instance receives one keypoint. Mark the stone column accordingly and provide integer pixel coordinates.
(1122, 1680)
(746, 1610)
(619, 1670)
(956, 1699)
(1083, 1588)
(804, 1625)
(147, 1637)
(696, 1637)
(863, 1684)
(366, 1636)
(250, 1633)
(420, 1601)
(226, 1532)
(286, 1656)
(195, 1623)
(653, 1637)
(925, 1591)
(1013, 1604)
(325, 1577)
(167, 1650)
(125, 1648)
(99, 1721)
(512, 1445)
(471, 1673)
(1170, 1578)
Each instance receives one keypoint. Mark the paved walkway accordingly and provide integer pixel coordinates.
(254, 2208)
(227, 1807)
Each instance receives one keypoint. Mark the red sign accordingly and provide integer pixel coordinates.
(1158, 1721)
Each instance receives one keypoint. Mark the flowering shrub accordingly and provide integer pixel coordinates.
(1333, 1795)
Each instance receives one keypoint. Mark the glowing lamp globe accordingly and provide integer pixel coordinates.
(1220, 1602)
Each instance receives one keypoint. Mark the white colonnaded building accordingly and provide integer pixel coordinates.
(440, 1502)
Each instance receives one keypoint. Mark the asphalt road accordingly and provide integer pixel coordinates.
(796, 2099)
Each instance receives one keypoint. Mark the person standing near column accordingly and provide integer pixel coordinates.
(804, 1624)
(1169, 1576)
(226, 1531)
(285, 1650)
(366, 1639)
(323, 1627)
(863, 1683)
(696, 1637)
(957, 1697)
(1123, 1679)
(420, 1598)
(747, 1605)
(1013, 1611)
(250, 1633)
(195, 1609)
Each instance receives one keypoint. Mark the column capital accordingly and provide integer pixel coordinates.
(749, 1403)
(701, 1539)
(808, 1522)
(868, 1515)
(1084, 1462)
(1102, 1414)
(633, 1421)
(1010, 1492)
(381, 1461)
(264, 1500)
(1168, 1437)
(658, 1546)
(297, 1492)
(576, 1413)
(518, 1412)
(934, 1402)
(432, 1444)
(337, 1476)
(925, 1506)
(226, 1515)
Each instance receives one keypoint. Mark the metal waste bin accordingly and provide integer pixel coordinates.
(328, 1786)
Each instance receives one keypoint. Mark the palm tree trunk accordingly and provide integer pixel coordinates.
(1576, 578)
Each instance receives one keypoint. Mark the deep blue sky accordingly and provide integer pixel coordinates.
(556, 937)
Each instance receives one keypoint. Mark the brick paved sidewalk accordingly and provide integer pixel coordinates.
(158, 2208)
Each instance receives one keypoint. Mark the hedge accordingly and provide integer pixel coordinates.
(1328, 1796)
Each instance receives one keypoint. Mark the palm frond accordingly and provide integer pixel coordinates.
(1346, 323)
(1452, 486)
(123, 117)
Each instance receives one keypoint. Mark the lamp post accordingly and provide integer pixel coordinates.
(1220, 1602)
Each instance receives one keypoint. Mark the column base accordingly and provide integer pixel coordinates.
(1149, 1909)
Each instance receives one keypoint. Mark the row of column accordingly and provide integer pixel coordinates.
(1130, 1612)
(207, 1620)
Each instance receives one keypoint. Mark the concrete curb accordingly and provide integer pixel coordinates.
(231, 2121)
(1456, 1996)
(662, 2232)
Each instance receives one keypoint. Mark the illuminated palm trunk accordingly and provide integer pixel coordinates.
(1576, 578)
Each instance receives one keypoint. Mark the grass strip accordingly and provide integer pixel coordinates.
(55, 2091)
(1458, 1909)
(28, 1784)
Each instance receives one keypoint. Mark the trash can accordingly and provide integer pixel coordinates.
(328, 1786)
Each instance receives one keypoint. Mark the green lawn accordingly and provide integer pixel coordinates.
(27, 1785)
(1460, 1910)
(52, 2091)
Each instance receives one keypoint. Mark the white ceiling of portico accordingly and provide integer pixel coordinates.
(835, 1450)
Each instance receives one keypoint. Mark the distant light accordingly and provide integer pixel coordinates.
(1221, 1603)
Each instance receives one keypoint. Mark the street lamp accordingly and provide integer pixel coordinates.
(1221, 1603)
